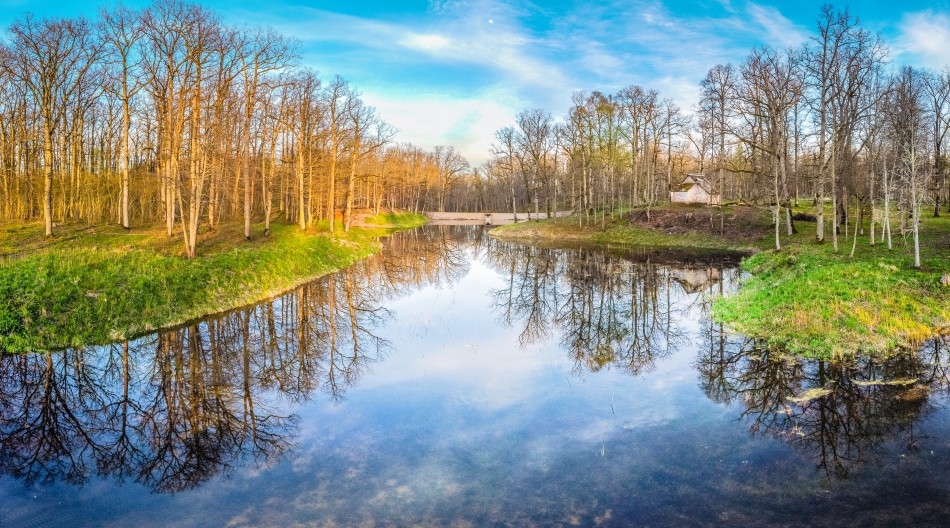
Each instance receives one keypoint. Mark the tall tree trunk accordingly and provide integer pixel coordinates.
(48, 175)
(834, 202)
(331, 186)
(886, 227)
(301, 184)
(777, 214)
(126, 125)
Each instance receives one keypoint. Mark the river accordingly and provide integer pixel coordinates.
(457, 380)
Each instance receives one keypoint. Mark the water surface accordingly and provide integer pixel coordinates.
(455, 380)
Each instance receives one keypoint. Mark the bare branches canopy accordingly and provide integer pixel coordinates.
(168, 115)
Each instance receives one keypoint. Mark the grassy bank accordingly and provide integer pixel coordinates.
(94, 285)
(804, 299)
(812, 302)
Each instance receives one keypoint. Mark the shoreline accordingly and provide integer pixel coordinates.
(804, 300)
(93, 289)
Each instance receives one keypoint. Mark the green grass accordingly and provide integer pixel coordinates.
(810, 301)
(95, 286)
(396, 220)
(805, 299)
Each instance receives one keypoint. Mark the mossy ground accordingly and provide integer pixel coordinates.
(804, 299)
(91, 285)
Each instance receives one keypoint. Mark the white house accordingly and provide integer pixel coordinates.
(695, 188)
(696, 280)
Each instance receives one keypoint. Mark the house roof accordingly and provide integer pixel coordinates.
(695, 179)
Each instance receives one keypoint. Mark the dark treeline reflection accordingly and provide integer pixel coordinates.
(173, 409)
(613, 309)
(433, 255)
(846, 413)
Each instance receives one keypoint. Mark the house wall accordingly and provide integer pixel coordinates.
(695, 194)
(678, 197)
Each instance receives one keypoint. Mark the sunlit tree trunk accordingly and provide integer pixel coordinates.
(52, 58)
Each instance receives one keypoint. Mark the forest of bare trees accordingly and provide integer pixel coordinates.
(167, 116)
(830, 123)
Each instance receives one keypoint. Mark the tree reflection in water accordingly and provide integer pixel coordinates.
(846, 412)
(625, 311)
(174, 409)
(619, 309)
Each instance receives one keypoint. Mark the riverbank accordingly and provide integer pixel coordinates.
(92, 285)
(805, 299)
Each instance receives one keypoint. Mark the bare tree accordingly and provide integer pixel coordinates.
(909, 130)
(121, 30)
(336, 98)
(451, 167)
(840, 65)
(769, 90)
(714, 106)
(638, 110)
(937, 90)
(264, 52)
(505, 159)
(53, 57)
(168, 71)
(534, 139)
(368, 134)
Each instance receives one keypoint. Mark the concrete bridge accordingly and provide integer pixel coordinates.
(491, 218)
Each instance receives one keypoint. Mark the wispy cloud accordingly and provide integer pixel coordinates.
(644, 42)
(430, 43)
(488, 34)
(312, 25)
(778, 30)
(467, 122)
(463, 69)
(924, 39)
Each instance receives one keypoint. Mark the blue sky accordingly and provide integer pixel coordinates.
(454, 71)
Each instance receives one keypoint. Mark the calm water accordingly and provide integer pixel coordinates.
(454, 380)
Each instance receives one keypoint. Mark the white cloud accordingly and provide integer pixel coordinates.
(924, 39)
(311, 25)
(426, 43)
(486, 34)
(467, 123)
(779, 30)
(643, 43)
(463, 70)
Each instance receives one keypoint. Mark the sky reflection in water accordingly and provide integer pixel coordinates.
(457, 380)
